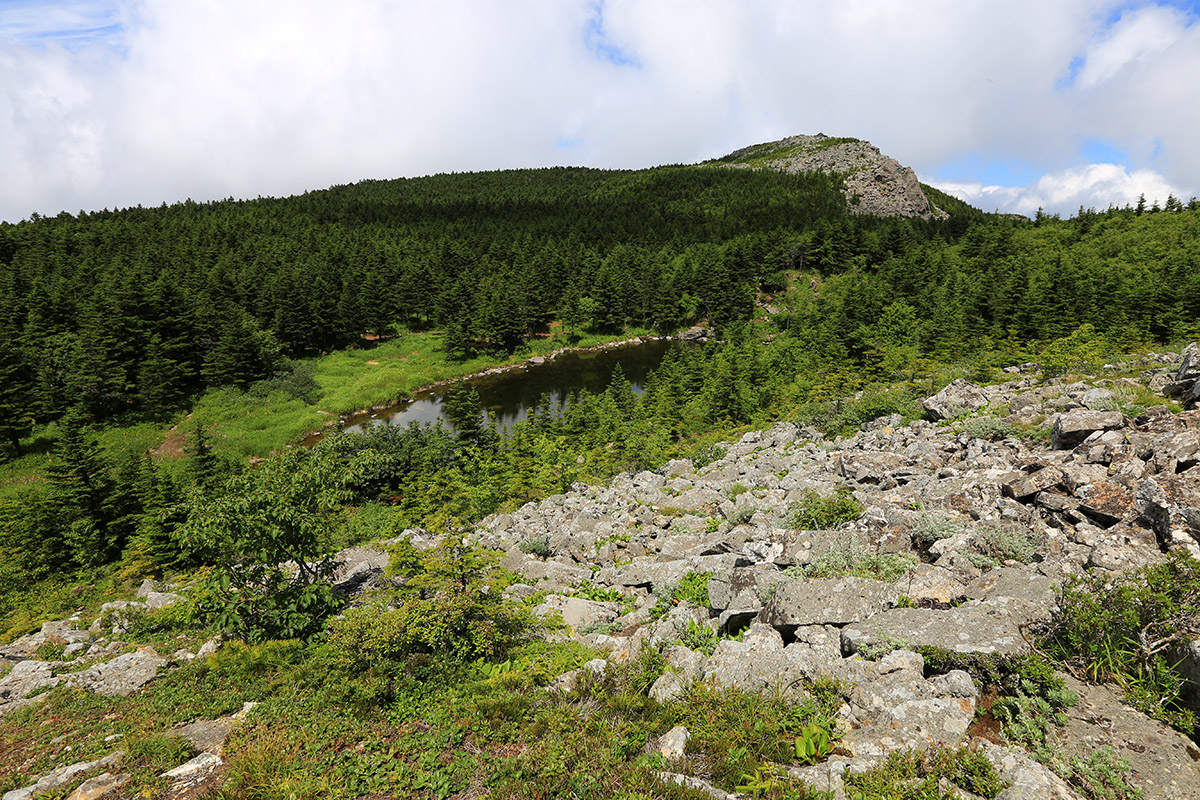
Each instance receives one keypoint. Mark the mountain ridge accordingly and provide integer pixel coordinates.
(874, 183)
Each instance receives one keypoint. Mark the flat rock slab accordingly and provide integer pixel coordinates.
(987, 627)
(26, 677)
(122, 676)
(1073, 427)
(827, 601)
(100, 786)
(1163, 762)
(578, 612)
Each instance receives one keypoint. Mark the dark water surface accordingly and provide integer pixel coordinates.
(508, 396)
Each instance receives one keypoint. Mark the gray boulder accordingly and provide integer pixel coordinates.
(991, 626)
(122, 676)
(1072, 428)
(827, 601)
(956, 398)
(578, 612)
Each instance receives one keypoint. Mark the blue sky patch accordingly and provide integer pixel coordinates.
(990, 171)
(72, 25)
(1095, 151)
(600, 45)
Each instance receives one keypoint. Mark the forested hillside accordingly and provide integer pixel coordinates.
(139, 310)
(118, 318)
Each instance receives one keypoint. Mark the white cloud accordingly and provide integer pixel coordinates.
(1138, 37)
(1091, 186)
(209, 98)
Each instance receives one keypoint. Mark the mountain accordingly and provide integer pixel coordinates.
(874, 183)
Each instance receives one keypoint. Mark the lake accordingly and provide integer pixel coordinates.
(508, 395)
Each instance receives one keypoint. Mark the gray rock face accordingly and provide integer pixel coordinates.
(1029, 780)
(578, 612)
(875, 183)
(60, 777)
(1164, 763)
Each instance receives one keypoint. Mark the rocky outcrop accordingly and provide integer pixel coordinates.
(874, 183)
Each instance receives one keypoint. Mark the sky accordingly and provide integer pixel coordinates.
(1012, 105)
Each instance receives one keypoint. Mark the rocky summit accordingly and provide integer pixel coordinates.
(821, 559)
(874, 183)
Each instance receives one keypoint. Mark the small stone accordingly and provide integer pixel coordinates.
(672, 743)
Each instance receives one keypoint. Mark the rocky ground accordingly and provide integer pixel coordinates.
(981, 524)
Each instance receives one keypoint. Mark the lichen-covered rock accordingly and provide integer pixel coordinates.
(1028, 779)
(975, 627)
(122, 676)
(1074, 427)
(827, 601)
(577, 612)
(958, 397)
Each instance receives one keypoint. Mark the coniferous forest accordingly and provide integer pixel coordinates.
(124, 318)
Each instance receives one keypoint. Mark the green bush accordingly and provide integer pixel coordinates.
(450, 608)
(693, 589)
(1083, 351)
(815, 512)
(1123, 629)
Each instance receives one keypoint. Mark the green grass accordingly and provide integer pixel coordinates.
(491, 730)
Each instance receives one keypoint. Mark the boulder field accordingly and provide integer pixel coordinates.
(962, 528)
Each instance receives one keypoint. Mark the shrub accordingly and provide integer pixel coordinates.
(815, 512)
(693, 589)
(989, 428)
(922, 775)
(933, 526)
(742, 516)
(450, 608)
(1002, 541)
(536, 544)
(267, 535)
(1083, 351)
(1123, 629)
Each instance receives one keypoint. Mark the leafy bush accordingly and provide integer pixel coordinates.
(815, 512)
(693, 589)
(450, 608)
(833, 417)
(1083, 351)
(268, 537)
(1123, 628)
